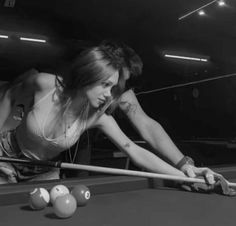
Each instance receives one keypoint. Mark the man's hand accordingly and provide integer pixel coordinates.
(214, 181)
(193, 171)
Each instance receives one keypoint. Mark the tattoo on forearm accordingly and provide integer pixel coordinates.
(127, 145)
(129, 108)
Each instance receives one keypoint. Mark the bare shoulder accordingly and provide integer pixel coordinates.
(44, 81)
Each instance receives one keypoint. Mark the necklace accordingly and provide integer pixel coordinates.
(83, 116)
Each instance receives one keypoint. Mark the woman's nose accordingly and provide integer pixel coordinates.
(107, 93)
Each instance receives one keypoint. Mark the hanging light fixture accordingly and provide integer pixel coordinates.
(201, 13)
(221, 3)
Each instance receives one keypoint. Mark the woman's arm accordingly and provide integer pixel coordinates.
(140, 156)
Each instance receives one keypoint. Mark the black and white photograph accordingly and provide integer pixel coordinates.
(117, 112)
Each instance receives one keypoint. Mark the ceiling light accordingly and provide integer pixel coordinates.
(32, 39)
(201, 13)
(3, 36)
(221, 3)
(186, 58)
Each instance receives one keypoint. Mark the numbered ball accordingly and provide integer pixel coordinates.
(39, 198)
(57, 191)
(65, 206)
(81, 194)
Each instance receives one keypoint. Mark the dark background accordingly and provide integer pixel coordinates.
(203, 110)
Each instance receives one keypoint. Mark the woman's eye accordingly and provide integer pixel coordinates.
(105, 84)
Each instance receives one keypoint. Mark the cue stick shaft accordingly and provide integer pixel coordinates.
(135, 173)
(107, 170)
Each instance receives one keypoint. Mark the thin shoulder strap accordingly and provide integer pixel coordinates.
(44, 97)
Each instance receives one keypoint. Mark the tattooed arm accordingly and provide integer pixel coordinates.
(154, 134)
(150, 130)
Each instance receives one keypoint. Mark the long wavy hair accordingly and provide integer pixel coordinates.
(92, 66)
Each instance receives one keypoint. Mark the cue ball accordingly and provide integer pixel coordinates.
(57, 191)
(39, 198)
(81, 194)
(65, 206)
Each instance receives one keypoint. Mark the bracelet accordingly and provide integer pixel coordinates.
(183, 161)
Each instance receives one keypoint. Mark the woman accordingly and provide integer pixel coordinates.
(58, 109)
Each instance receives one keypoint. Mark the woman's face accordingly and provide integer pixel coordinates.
(99, 93)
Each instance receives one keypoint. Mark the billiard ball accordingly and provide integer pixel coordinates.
(39, 198)
(81, 194)
(58, 190)
(65, 206)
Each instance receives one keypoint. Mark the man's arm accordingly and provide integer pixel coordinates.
(150, 130)
(140, 156)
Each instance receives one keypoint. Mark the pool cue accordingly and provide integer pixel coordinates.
(107, 170)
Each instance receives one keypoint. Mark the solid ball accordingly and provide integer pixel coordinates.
(65, 206)
(57, 191)
(39, 198)
(81, 194)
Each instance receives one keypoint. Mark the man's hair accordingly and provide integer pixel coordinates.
(132, 60)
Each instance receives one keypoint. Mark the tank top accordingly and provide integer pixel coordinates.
(34, 144)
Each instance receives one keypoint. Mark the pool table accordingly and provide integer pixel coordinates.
(122, 201)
